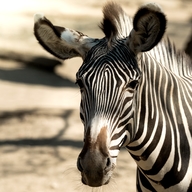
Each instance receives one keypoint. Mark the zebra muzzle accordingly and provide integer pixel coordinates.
(96, 169)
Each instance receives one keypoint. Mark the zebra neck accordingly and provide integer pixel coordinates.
(162, 143)
(150, 99)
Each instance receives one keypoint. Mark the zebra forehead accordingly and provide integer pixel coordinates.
(117, 58)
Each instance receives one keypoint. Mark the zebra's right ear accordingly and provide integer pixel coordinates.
(149, 25)
(61, 42)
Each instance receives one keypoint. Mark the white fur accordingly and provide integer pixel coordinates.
(69, 35)
(38, 16)
(153, 6)
(96, 125)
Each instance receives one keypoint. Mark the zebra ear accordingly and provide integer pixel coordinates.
(149, 25)
(61, 42)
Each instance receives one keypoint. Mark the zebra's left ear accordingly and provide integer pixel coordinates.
(62, 42)
(149, 25)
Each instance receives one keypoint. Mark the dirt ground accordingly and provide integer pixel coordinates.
(40, 129)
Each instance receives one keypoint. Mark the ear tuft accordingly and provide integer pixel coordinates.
(38, 17)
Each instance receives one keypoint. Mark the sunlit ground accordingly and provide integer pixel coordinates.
(40, 130)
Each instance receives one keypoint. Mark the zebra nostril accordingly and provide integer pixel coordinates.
(108, 164)
(79, 165)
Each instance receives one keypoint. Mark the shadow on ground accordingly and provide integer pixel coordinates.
(21, 121)
(37, 70)
(33, 76)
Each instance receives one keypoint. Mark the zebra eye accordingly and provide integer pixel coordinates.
(133, 84)
(80, 83)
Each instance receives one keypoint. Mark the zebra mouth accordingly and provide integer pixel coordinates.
(94, 184)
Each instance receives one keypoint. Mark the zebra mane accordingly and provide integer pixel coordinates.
(116, 23)
(172, 59)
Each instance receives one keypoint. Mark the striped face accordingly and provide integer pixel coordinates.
(108, 80)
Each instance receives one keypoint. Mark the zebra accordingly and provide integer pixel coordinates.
(136, 92)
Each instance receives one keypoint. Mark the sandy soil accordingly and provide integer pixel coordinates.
(40, 129)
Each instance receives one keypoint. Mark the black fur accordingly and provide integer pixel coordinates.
(149, 14)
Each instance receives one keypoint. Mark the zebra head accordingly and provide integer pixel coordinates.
(108, 80)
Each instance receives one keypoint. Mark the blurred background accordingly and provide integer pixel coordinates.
(40, 130)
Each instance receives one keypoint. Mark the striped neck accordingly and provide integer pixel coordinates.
(163, 127)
